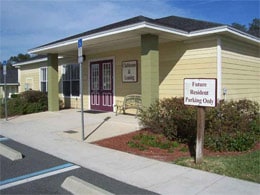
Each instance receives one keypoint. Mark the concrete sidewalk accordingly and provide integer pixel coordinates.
(59, 134)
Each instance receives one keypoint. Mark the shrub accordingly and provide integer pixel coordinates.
(36, 101)
(171, 117)
(26, 102)
(232, 126)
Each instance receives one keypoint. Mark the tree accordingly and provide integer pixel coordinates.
(19, 58)
(254, 27)
(239, 26)
(14, 59)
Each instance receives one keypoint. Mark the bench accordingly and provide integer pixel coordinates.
(132, 101)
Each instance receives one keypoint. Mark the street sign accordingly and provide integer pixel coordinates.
(5, 89)
(4, 67)
(200, 92)
(80, 61)
(80, 58)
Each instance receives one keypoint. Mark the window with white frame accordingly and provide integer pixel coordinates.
(43, 79)
(71, 80)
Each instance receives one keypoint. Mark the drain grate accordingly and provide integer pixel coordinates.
(70, 131)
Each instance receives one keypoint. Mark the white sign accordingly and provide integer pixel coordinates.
(200, 92)
(129, 71)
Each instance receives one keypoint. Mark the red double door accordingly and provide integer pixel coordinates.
(101, 85)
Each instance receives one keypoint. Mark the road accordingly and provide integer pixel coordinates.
(41, 173)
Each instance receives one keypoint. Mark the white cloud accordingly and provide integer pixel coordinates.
(29, 23)
(26, 24)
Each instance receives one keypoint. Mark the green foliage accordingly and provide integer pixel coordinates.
(232, 126)
(253, 27)
(26, 102)
(143, 141)
(171, 117)
(14, 95)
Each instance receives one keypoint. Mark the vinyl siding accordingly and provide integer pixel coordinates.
(179, 60)
(240, 70)
(30, 73)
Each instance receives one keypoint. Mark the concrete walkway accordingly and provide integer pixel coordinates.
(59, 134)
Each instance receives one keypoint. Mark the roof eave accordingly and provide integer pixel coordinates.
(33, 61)
(137, 26)
(226, 29)
(30, 62)
(147, 25)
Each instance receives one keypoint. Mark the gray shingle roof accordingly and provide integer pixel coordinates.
(184, 24)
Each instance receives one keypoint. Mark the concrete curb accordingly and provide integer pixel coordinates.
(78, 186)
(10, 153)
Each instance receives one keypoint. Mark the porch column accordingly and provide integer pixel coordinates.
(53, 86)
(149, 69)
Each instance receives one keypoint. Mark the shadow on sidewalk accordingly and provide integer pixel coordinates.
(106, 119)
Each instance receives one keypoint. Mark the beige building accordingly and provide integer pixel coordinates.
(144, 56)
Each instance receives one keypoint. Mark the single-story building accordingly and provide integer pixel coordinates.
(145, 56)
(11, 82)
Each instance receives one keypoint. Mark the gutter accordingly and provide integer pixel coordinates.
(149, 25)
(44, 59)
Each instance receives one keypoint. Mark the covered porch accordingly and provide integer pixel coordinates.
(105, 51)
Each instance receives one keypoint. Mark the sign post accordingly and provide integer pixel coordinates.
(5, 73)
(201, 93)
(80, 61)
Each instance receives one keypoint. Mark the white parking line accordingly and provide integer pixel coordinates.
(3, 139)
(37, 175)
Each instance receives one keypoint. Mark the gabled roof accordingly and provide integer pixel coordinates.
(183, 24)
(11, 76)
(169, 28)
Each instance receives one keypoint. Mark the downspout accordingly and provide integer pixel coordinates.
(219, 69)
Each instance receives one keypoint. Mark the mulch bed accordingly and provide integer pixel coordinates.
(120, 143)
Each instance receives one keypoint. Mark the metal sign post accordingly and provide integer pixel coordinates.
(4, 73)
(80, 61)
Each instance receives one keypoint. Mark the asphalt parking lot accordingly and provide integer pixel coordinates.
(41, 173)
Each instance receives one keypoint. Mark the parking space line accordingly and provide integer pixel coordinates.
(37, 175)
(3, 139)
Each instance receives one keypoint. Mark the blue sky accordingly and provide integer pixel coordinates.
(26, 24)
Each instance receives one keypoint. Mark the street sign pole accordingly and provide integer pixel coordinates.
(80, 61)
(4, 73)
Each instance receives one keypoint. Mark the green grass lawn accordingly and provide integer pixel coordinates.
(244, 166)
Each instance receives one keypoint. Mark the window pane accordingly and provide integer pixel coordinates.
(95, 77)
(44, 86)
(75, 72)
(71, 80)
(106, 76)
(43, 79)
(66, 73)
(75, 88)
(66, 88)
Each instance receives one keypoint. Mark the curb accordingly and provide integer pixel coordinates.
(78, 186)
(10, 153)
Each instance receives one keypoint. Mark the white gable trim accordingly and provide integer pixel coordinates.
(147, 25)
